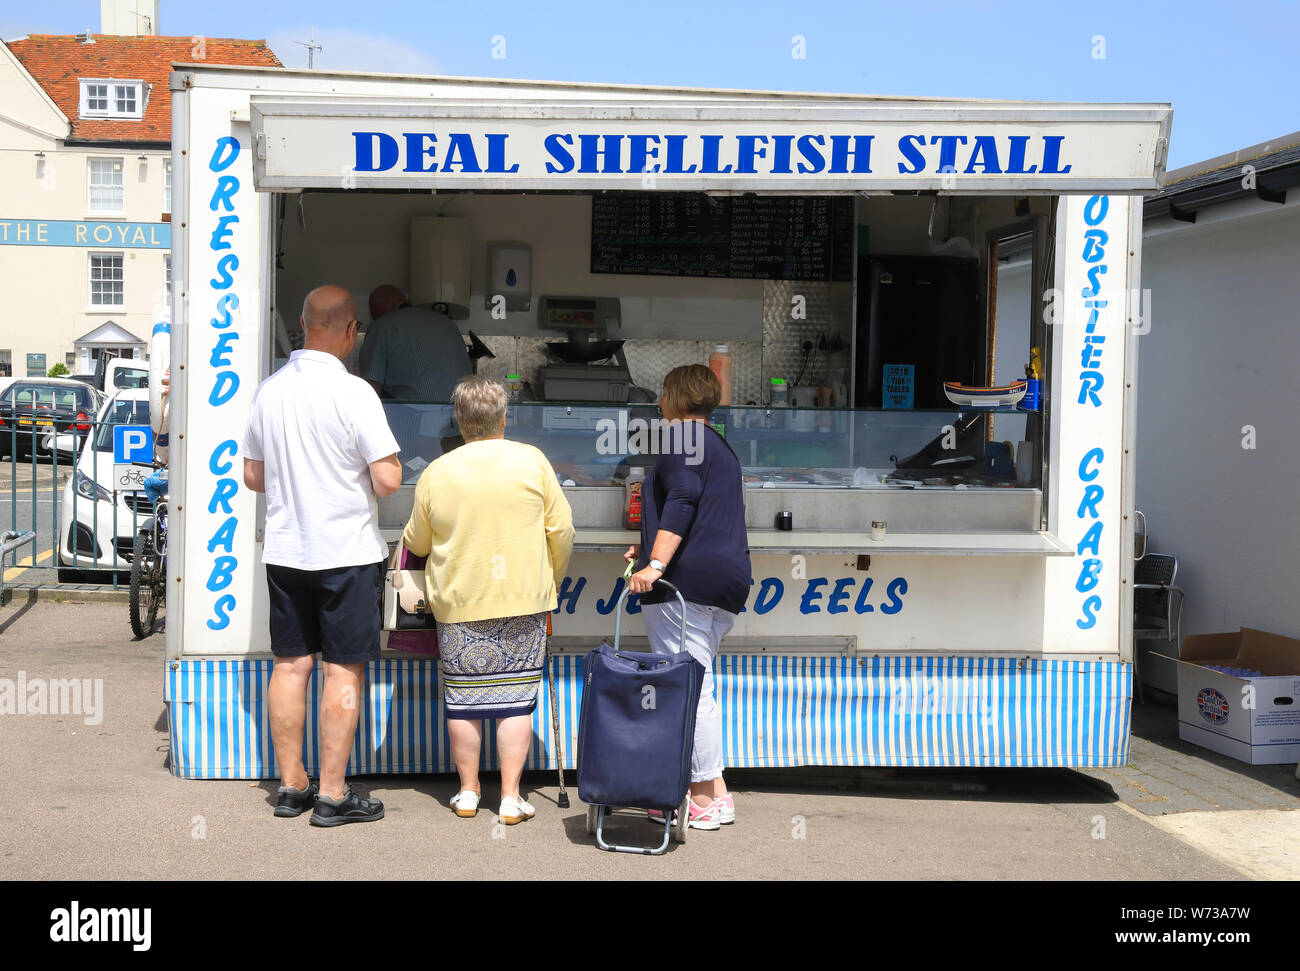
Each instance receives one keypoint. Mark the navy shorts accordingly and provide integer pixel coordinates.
(334, 612)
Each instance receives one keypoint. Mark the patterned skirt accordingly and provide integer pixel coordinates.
(492, 668)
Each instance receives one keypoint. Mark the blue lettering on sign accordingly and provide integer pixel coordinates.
(839, 594)
(1094, 251)
(225, 379)
(765, 598)
(612, 153)
(1091, 383)
(221, 613)
(861, 606)
(1090, 542)
(769, 594)
(224, 537)
(1090, 608)
(897, 587)
(223, 571)
(219, 238)
(607, 605)
(808, 602)
(366, 142)
(568, 593)
(375, 151)
(557, 146)
(215, 464)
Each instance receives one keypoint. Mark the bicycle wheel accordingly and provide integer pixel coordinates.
(144, 605)
(158, 583)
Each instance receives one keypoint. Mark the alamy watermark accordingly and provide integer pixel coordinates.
(650, 436)
(77, 924)
(53, 696)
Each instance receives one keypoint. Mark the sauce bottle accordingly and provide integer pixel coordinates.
(720, 364)
(632, 498)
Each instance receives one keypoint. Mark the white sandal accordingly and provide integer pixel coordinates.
(515, 811)
(465, 803)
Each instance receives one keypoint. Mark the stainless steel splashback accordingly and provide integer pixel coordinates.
(828, 310)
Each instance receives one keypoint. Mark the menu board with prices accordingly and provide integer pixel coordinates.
(738, 237)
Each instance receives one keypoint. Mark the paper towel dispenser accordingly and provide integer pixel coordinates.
(440, 263)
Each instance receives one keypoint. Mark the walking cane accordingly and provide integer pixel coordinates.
(563, 801)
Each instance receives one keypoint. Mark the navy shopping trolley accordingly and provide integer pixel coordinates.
(636, 731)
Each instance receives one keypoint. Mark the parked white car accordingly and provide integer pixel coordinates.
(99, 515)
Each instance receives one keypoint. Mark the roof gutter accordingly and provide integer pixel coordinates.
(111, 143)
(1266, 179)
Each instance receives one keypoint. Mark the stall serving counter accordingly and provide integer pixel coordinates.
(990, 624)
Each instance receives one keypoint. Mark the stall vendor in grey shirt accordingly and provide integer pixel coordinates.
(412, 353)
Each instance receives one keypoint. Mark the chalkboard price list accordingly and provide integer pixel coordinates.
(742, 237)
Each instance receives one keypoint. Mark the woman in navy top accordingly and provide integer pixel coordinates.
(693, 536)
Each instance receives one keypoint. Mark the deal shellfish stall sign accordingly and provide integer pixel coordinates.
(988, 625)
(809, 147)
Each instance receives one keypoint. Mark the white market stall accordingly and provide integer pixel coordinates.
(992, 623)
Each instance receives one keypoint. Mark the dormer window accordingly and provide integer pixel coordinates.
(112, 99)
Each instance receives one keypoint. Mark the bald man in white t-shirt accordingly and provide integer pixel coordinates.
(319, 446)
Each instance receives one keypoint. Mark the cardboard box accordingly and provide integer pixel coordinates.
(1255, 719)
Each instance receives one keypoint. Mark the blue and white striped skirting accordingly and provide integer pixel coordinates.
(776, 711)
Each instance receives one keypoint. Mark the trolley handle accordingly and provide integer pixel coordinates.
(618, 610)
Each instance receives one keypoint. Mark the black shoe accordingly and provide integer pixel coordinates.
(295, 802)
(350, 809)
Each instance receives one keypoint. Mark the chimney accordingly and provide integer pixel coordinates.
(129, 18)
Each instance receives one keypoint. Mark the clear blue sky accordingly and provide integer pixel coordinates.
(1229, 70)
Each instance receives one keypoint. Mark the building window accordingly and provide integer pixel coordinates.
(6, 364)
(106, 280)
(104, 186)
(112, 99)
(124, 99)
(70, 360)
(97, 98)
(167, 185)
(167, 274)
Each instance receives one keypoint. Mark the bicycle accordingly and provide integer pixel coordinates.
(149, 562)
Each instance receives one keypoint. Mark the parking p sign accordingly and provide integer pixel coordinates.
(132, 448)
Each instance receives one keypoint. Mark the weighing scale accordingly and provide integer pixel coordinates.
(587, 366)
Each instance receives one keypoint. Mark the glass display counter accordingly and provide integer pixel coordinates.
(934, 477)
(593, 445)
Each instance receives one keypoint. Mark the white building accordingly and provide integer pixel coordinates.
(85, 186)
(1218, 389)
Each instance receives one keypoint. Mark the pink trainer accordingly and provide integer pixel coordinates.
(727, 814)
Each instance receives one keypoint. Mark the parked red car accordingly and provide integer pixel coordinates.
(33, 408)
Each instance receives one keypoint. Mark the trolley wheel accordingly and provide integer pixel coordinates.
(683, 820)
(591, 820)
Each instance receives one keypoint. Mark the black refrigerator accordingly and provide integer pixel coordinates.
(920, 311)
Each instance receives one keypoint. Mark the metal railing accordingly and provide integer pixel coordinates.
(93, 521)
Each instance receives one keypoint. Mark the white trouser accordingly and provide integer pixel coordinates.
(705, 628)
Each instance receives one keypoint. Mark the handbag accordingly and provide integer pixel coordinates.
(406, 606)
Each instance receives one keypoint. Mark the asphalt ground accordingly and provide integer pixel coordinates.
(23, 508)
(97, 802)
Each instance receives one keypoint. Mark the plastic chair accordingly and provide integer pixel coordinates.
(1157, 604)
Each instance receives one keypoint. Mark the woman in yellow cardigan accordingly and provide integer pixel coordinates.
(497, 531)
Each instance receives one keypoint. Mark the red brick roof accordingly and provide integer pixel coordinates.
(58, 62)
